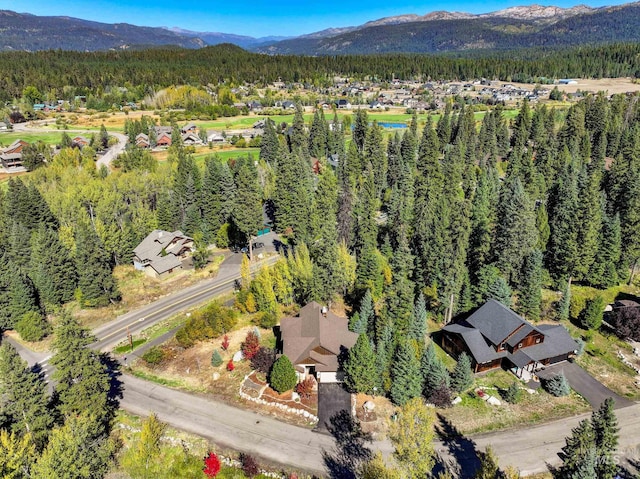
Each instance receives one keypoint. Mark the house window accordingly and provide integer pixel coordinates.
(538, 340)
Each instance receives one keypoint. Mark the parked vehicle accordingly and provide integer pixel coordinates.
(258, 244)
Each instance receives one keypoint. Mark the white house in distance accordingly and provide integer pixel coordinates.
(161, 253)
(313, 340)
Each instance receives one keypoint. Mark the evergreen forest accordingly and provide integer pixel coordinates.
(67, 74)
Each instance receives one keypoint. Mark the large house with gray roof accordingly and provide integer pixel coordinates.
(313, 340)
(161, 253)
(494, 336)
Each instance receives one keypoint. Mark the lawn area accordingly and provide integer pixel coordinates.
(474, 415)
(53, 138)
(226, 155)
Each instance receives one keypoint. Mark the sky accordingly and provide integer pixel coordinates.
(258, 18)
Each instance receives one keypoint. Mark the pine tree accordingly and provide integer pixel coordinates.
(83, 382)
(562, 250)
(500, 291)
(590, 213)
(530, 297)
(374, 153)
(586, 468)
(444, 125)
(282, 377)
(605, 427)
(603, 273)
(360, 129)
(365, 316)
(557, 385)
(325, 239)
(359, 368)
(292, 196)
(400, 291)
(318, 135)
(483, 220)
(23, 298)
(297, 135)
(418, 326)
(512, 393)
(247, 208)
(591, 316)
(52, 268)
(462, 375)
(24, 403)
(32, 326)
(216, 359)
(270, 146)
(433, 372)
(516, 234)
(405, 374)
(578, 445)
(96, 283)
(218, 193)
(542, 225)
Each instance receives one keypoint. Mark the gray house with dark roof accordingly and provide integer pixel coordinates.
(313, 340)
(161, 253)
(494, 336)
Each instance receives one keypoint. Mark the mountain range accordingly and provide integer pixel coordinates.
(440, 31)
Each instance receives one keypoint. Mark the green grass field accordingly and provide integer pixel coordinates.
(246, 122)
(50, 138)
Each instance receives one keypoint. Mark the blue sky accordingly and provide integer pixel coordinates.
(256, 18)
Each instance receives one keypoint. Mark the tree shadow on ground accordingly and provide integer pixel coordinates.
(350, 450)
(463, 451)
(116, 388)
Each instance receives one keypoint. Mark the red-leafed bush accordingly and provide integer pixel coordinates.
(250, 345)
(249, 465)
(230, 365)
(263, 360)
(305, 388)
(211, 465)
(225, 343)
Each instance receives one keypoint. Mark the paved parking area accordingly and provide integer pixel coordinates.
(584, 384)
(332, 398)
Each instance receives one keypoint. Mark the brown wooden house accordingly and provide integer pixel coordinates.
(495, 336)
(313, 340)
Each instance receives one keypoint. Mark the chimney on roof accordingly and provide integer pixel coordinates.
(324, 311)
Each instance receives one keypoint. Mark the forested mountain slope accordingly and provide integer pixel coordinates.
(612, 24)
(30, 32)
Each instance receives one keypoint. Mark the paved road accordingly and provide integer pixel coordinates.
(584, 384)
(113, 152)
(237, 429)
(133, 322)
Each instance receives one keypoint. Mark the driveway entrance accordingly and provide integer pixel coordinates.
(584, 384)
(332, 398)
